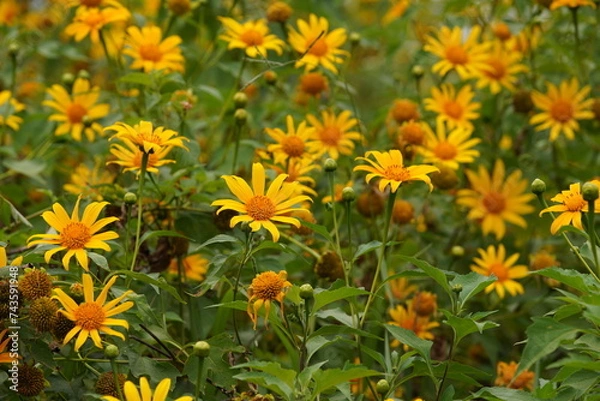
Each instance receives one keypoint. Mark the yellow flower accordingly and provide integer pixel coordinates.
(93, 317)
(266, 287)
(194, 267)
(571, 207)
(150, 52)
(76, 113)
(390, 168)
(407, 318)
(130, 156)
(317, 45)
(561, 107)
(466, 57)
(494, 261)
(9, 107)
(455, 109)
(571, 3)
(90, 20)
(18, 261)
(449, 149)
(503, 65)
(256, 207)
(295, 144)
(333, 134)
(494, 200)
(149, 139)
(160, 393)
(297, 170)
(9, 11)
(396, 10)
(505, 376)
(73, 234)
(89, 182)
(5, 356)
(253, 36)
(401, 288)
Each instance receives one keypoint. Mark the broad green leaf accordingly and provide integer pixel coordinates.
(329, 378)
(139, 78)
(366, 248)
(314, 344)
(288, 376)
(580, 281)
(440, 276)
(321, 230)
(472, 284)
(409, 338)
(448, 394)
(463, 326)
(217, 239)
(268, 381)
(160, 233)
(586, 252)
(99, 260)
(15, 213)
(28, 167)
(148, 279)
(502, 394)
(238, 305)
(305, 377)
(326, 297)
(341, 330)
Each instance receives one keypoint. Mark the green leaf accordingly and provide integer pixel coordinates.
(139, 78)
(305, 377)
(160, 233)
(502, 394)
(27, 167)
(329, 378)
(217, 239)
(148, 279)
(321, 230)
(448, 394)
(15, 213)
(472, 284)
(267, 381)
(440, 276)
(366, 248)
(238, 305)
(271, 376)
(463, 326)
(314, 344)
(99, 260)
(408, 337)
(326, 297)
(579, 281)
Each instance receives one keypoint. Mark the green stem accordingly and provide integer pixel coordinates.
(330, 179)
(301, 245)
(303, 350)
(115, 371)
(138, 229)
(243, 261)
(592, 232)
(236, 135)
(446, 368)
(200, 382)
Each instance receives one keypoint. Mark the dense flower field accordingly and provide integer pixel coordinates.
(299, 200)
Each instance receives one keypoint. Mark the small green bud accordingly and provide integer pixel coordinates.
(271, 77)
(306, 291)
(330, 165)
(111, 351)
(240, 116)
(130, 198)
(457, 251)
(13, 49)
(348, 194)
(68, 79)
(589, 190)
(83, 74)
(382, 386)
(354, 38)
(240, 100)
(87, 121)
(202, 349)
(538, 186)
(418, 71)
(457, 288)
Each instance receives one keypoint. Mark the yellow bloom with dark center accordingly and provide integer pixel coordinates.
(89, 182)
(93, 316)
(455, 109)
(9, 107)
(571, 3)
(145, 393)
(503, 66)
(265, 288)
(258, 208)
(77, 112)
(389, 167)
(75, 235)
(493, 261)
(449, 149)
(407, 318)
(194, 267)
(562, 107)
(334, 134)
(252, 36)
(88, 21)
(494, 200)
(505, 376)
(466, 57)
(149, 139)
(150, 52)
(317, 45)
(571, 207)
(296, 143)
(130, 157)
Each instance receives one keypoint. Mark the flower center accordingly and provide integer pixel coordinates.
(267, 286)
(293, 146)
(453, 109)
(151, 52)
(499, 270)
(456, 55)
(319, 48)
(260, 208)
(89, 316)
(396, 173)
(75, 113)
(574, 202)
(330, 135)
(412, 133)
(252, 37)
(90, 3)
(75, 235)
(494, 202)
(562, 110)
(94, 19)
(445, 151)
(497, 69)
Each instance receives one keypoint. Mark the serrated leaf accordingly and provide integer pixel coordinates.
(580, 281)
(329, 378)
(472, 284)
(267, 381)
(326, 297)
(314, 344)
(440, 276)
(288, 376)
(463, 326)
(366, 248)
(146, 278)
(409, 338)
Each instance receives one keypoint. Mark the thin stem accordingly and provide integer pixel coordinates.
(200, 382)
(303, 350)
(138, 229)
(592, 232)
(446, 368)
(330, 179)
(236, 137)
(115, 371)
(301, 245)
(247, 248)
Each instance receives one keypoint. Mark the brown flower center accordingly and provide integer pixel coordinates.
(445, 151)
(313, 83)
(494, 202)
(260, 208)
(293, 145)
(75, 235)
(497, 69)
(267, 285)
(75, 113)
(456, 55)
(252, 37)
(89, 316)
(150, 52)
(562, 110)
(404, 110)
(330, 135)
(396, 173)
(412, 133)
(319, 48)
(453, 109)
(499, 270)
(574, 202)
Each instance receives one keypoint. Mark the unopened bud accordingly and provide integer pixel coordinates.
(306, 291)
(240, 100)
(589, 190)
(202, 349)
(130, 198)
(86, 121)
(111, 351)
(83, 74)
(13, 49)
(348, 194)
(354, 38)
(457, 251)
(68, 79)
(240, 116)
(418, 71)
(330, 165)
(538, 186)
(457, 288)
(383, 386)
(271, 77)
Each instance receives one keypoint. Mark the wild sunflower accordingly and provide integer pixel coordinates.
(145, 393)
(562, 107)
(77, 112)
(571, 3)
(334, 134)
(571, 207)
(466, 57)
(89, 182)
(293, 144)
(317, 45)
(74, 234)
(407, 318)
(9, 107)
(93, 317)
(266, 287)
(494, 200)
(88, 21)
(505, 376)
(150, 52)
(149, 139)
(256, 207)
(390, 168)
(503, 66)
(494, 261)
(130, 157)
(194, 267)
(252, 36)
(456, 109)
(450, 149)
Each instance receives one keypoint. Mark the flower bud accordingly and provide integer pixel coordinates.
(68, 79)
(271, 77)
(279, 12)
(13, 49)
(418, 71)
(111, 351)
(330, 165)
(240, 100)
(202, 349)
(354, 38)
(83, 74)
(130, 198)
(306, 291)
(457, 288)
(382, 386)
(457, 251)
(589, 190)
(538, 186)
(240, 116)
(348, 194)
